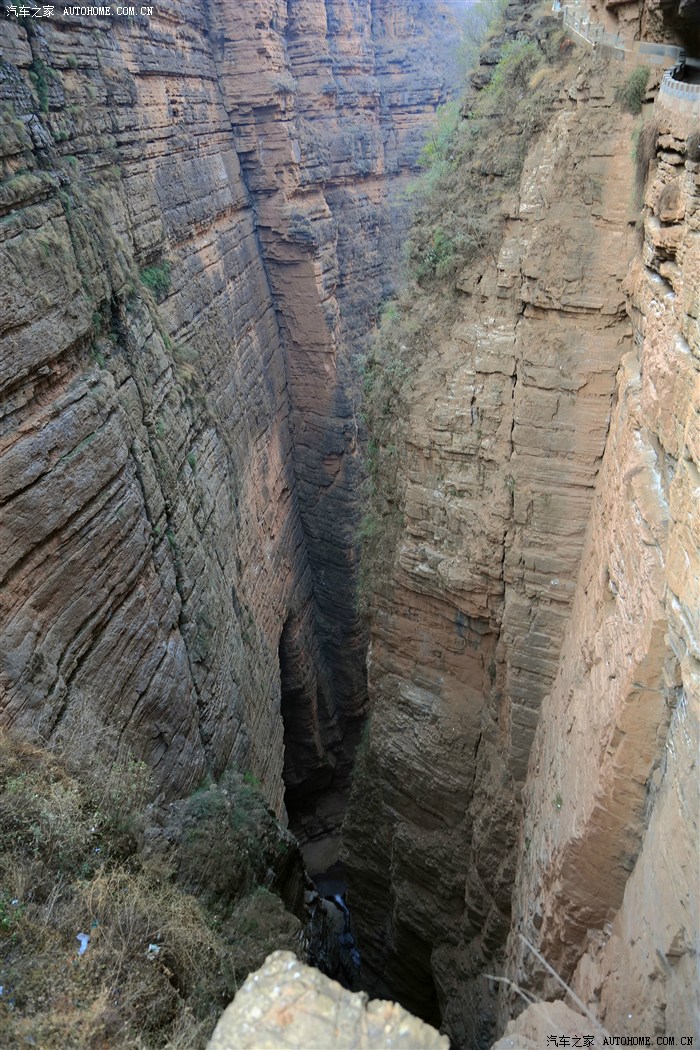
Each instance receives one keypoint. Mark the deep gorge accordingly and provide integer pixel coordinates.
(203, 216)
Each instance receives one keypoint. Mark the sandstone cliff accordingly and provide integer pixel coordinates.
(609, 857)
(198, 217)
(520, 484)
(186, 203)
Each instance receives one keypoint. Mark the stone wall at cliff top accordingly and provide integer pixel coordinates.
(178, 455)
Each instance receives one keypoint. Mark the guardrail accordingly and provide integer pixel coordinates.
(592, 32)
(667, 51)
(577, 18)
(679, 95)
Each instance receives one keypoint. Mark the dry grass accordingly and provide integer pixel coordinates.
(159, 966)
(644, 154)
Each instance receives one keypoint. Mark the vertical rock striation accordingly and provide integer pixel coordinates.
(507, 415)
(178, 453)
(610, 858)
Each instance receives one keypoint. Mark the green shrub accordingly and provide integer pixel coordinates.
(438, 145)
(510, 82)
(435, 258)
(631, 93)
(368, 527)
(157, 279)
(39, 74)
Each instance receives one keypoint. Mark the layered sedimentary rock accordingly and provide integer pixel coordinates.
(177, 473)
(609, 859)
(507, 421)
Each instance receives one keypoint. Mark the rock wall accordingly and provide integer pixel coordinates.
(673, 22)
(178, 444)
(609, 863)
(477, 615)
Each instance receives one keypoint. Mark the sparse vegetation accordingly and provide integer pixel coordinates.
(631, 93)
(474, 156)
(39, 74)
(475, 19)
(473, 144)
(168, 932)
(157, 279)
(24, 187)
(97, 356)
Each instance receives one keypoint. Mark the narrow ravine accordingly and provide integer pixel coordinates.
(349, 476)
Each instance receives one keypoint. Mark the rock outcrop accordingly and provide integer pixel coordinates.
(512, 533)
(287, 1004)
(673, 22)
(186, 201)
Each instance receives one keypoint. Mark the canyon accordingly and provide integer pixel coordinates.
(179, 468)
(201, 220)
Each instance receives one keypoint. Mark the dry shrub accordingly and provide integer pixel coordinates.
(158, 968)
(692, 147)
(260, 925)
(644, 153)
(540, 76)
(154, 948)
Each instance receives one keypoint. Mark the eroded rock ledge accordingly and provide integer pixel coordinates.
(286, 1005)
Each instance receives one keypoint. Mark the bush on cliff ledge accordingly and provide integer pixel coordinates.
(632, 92)
(157, 279)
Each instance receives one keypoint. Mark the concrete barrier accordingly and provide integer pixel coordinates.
(679, 96)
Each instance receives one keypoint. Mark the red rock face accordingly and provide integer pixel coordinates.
(508, 415)
(179, 477)
(608, 882)
(545, 475)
